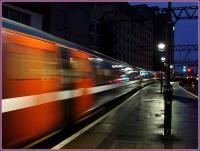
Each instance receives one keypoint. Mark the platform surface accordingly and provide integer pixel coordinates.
(138, 123)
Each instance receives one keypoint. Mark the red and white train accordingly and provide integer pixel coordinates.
(49, 82)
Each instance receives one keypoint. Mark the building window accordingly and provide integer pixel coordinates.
(92, 39)
(95, 26)
(16, 15)
(92, 26)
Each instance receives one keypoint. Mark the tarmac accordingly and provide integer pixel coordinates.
(138, 123)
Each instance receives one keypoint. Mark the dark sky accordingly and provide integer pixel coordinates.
(186, 31)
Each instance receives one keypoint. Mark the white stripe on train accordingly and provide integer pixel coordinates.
(12, 104)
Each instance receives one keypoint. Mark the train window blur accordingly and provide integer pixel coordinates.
(103, 70)
(146, 74)
(108, 72)
(80, 68)
(67, 71)
(124, 73)
(76, 70)
(25, 65)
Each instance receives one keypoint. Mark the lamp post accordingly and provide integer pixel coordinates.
(161, 48)
(172, 71)
(168, 90)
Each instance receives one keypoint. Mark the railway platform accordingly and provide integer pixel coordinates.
(137, 123)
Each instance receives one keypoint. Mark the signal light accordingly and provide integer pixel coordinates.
(184, 69)
(189, 70)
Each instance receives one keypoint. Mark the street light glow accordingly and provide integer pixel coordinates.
(171, 66)
(161, 46)
(163, 59)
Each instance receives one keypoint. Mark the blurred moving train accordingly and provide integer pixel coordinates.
(49, 82)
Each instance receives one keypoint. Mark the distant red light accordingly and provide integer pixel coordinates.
(189, 70)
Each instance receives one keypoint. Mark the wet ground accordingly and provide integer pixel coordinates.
(190, 85)
(138, 123)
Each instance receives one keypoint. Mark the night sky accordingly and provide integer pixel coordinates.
(186, 31)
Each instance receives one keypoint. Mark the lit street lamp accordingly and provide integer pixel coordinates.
(172, 70)
(161, 48)
(163, 59)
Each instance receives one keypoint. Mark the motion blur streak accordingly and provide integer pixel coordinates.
(11, 104)
(49, 83)
(30, 67)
